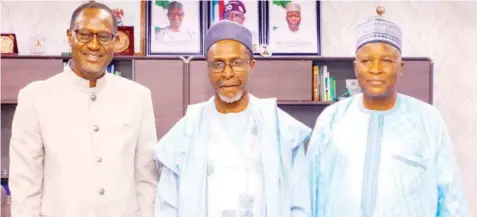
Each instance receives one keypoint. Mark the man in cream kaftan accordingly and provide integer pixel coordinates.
(250, 162)
(381, 153)
(82, 141)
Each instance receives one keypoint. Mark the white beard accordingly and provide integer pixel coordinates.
(233, 99)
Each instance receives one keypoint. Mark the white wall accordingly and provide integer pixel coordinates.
(51, 19)
(444, 31)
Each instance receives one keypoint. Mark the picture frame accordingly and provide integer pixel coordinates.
(132, 15)
(162, 37)
(251, 17)
(9, 43)
(281, 37)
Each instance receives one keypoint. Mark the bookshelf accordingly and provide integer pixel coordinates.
(177, 82)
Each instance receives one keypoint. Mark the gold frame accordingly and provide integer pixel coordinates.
(142, 29)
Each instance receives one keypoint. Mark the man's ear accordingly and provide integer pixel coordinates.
(69, 35)
(354, 67)
(252, 64)
(401, 70)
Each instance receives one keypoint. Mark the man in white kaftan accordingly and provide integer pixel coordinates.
(381, 153)
(82, 141)
(235, 154)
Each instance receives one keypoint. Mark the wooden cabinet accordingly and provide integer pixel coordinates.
(165, 80)
(17, 73)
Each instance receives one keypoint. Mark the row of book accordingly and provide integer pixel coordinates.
(324, 85)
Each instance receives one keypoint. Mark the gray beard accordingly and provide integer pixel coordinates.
(233, 99)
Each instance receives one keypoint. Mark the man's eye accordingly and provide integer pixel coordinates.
(104, 37)
(237, 62)
(218, 64)
(84, 35)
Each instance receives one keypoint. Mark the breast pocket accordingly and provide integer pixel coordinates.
(124, 133)
(125, 130)
(411, 170)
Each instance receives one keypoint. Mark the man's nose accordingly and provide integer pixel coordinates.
(94, 44)
(376, 67)
(228, 71)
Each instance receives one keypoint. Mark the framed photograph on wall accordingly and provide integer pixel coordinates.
(174, 28)
(245, 12)
(293, 27)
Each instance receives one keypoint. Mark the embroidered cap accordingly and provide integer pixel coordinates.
(378, 29)
(228, 30)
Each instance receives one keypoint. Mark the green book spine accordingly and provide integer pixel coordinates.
(327, 89)
(334, 89)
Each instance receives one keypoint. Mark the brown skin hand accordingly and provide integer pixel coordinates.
(94, 20)
(229, 82)
(378, 67)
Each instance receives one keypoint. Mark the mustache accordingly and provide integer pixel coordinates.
(229, 83)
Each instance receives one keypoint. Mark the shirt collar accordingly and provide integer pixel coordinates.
(81, 83)
(376, 112)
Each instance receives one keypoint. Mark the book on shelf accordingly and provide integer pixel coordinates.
(113, 70)
(324, 85)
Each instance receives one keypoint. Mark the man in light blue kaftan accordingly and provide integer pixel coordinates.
(381, 153)
(235, 154)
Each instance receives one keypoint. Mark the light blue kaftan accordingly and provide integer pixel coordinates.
(182, 154)
(395, 163)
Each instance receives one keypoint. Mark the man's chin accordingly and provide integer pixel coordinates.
(93, 72)
(376, 95)
(231, 99)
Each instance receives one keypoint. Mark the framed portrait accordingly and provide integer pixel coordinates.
(174, 28)
(293, 27)
(246, 12)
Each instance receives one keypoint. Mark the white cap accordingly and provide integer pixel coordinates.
(292, 6)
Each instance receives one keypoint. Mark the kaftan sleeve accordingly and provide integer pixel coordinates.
(145, 174)
(26, 157)
(451, 198)
(295, 135)
(166, 156)
(320, 135)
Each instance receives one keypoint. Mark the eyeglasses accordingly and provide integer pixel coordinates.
(85, 36)
(236, 65)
